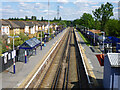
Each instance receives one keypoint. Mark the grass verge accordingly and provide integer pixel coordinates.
(85, 39)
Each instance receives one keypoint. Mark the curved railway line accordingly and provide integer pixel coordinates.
(65, 68)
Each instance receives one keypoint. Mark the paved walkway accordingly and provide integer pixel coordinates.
(93, 61)
(9, 80)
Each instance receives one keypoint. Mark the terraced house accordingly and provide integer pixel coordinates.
(4, 28)
(14, 28)
(30, 28)
(24, 27)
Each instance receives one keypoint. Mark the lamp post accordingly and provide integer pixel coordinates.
(94, 37)
(41, 38)
(103, 39)
(48, 18)
(13, 51)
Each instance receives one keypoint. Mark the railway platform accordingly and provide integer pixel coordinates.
(95, 70)
(10, 80)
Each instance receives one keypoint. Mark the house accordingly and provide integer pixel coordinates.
(41, 25)
(46, 27)
(24, 27)
(4, 28)
(31, 28)
(111, 78)
(56, 26)
(38, 28)
(14, 28)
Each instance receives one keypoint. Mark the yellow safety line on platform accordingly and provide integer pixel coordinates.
(89, 69)
(23, 84)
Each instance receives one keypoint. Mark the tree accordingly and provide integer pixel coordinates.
(4, 38)
(26, 18)
(23, 37)
(112, 28)
(87, 20)
(60, 19)
(55, 19)
(103, 13)
(34, 18)
(76, 22)
(62, 23)
(42, 19)
(21, 19)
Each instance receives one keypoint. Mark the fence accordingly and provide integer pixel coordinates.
(7, 59)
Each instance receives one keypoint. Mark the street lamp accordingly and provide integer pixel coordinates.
(13, 51)
(103, 39)
(41, 38)
(48, 18)
(94, 37)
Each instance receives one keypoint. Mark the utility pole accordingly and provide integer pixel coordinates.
(13, 51)
(58, 12)
(48, 18)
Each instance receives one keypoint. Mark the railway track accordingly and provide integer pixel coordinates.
(51, 78)
(65, 68)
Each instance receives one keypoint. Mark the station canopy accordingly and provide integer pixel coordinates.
(106, 39)
(114, 39)
(30, 44)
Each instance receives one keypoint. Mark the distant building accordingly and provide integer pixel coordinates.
(4, 28)
(14, 28)
(24, 28)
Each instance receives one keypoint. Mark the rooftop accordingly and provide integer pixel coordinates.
(114, 59)
(12, 25)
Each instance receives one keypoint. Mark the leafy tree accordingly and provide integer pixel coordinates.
(21, 19)
(97, 25)
(23, 37)
(76, 22)
(60, 19)
(4, 38)
(26, 18)
(17, 42)
(55, 19)
(103, 13)
(112, 28)
(87, 20)
(4, 49)
(34, 18)
(42, 19)
(62, 23)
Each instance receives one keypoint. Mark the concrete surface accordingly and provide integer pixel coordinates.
(93, 61)
(10, 80)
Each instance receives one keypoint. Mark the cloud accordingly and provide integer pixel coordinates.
(78, 1)
(28, 0)
(32, 6)
(95, 6)
(93, 3)
(19, 0)
(62, 1)
(41, 9)
(51, 12)
(86, 4)
(8, 6)
(61, 7)
(115, 2)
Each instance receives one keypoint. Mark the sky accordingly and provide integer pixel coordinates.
(68, 9)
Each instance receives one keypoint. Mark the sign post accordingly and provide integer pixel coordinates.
(13, 52)
(25, 56)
